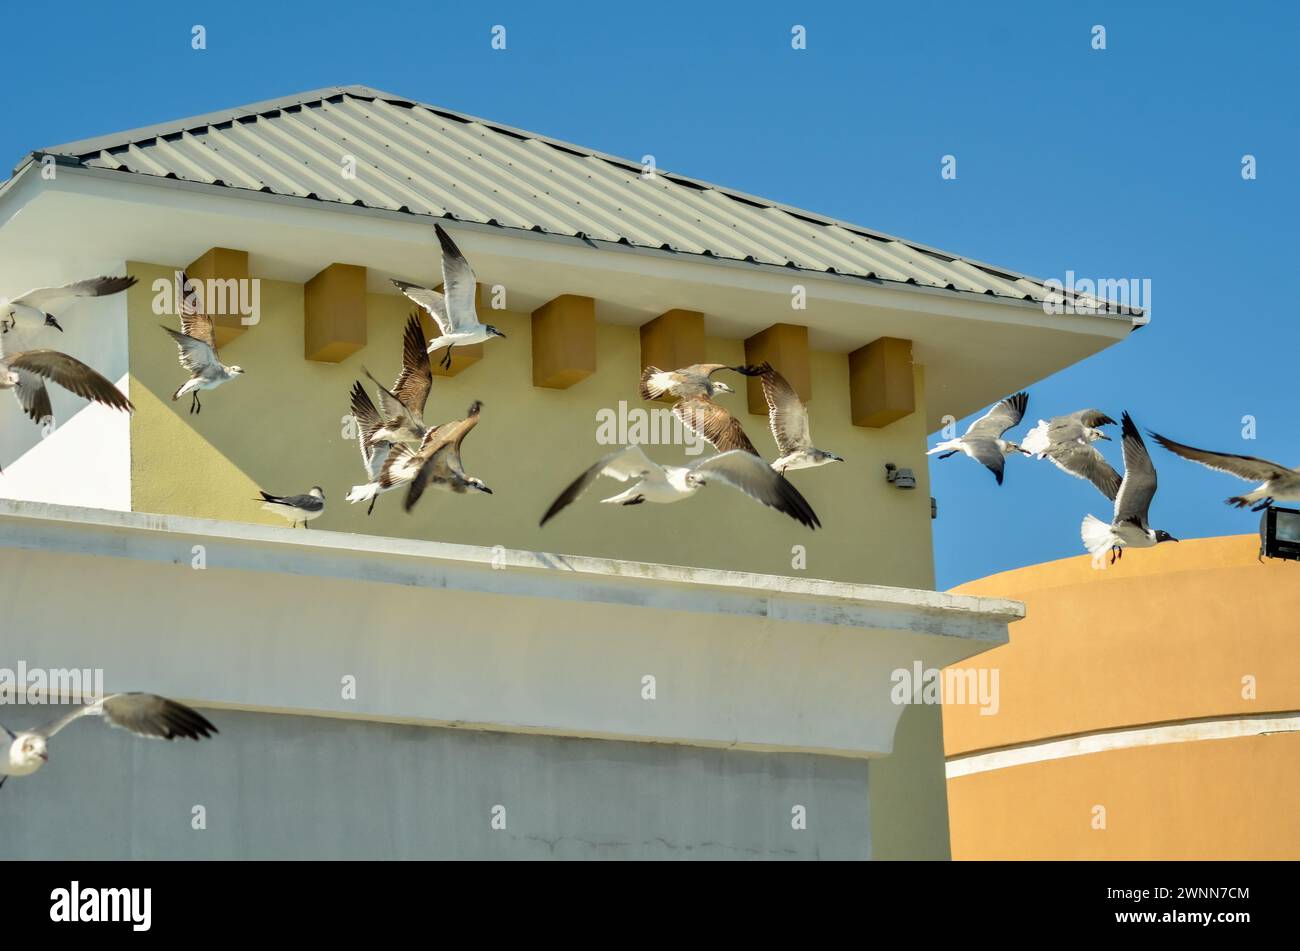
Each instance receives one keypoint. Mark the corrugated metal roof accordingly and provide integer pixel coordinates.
(421, 159)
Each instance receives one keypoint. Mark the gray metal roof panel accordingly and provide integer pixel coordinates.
(432, 161)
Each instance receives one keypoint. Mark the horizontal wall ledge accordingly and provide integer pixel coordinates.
(277, 619)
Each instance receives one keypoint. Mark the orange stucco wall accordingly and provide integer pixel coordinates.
(1175, 633)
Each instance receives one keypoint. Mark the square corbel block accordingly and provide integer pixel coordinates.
(673, 340)
(785, 346)
(564, 341)
(881, 384)
(226, 290)
(334, 306)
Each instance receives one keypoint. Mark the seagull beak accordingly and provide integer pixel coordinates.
(485, 489)
(45, 757)
(51, 322)
(499, 333)
(1104, 436)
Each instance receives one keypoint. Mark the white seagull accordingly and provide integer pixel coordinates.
(688, 382)
(32, 309)
(983, 440)
(652, 482)
(788, 418)
(374, 452)
(1066, 442)
(403, 417)
(1278, 483)
(296, 508)
(26, 373)
(1129, 528)
(454, 310)
(144, 714)
(437, 462)
(197, 346)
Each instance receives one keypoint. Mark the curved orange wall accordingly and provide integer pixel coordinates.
(1164, 636)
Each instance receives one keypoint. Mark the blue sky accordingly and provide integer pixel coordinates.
(1117, 163)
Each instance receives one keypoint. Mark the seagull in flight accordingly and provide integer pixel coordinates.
(27, 372)
(403, 416)
(296, 508)
(694, 388)
(454, 311)
(1129, 528)
(788, 418)
(652, 482)
(197, 346)
(689, 382)
(1278, 483)
(144, 714)
(1066, 442)
(374, 452)
(32, 309)
(436, 463)
(983, 440)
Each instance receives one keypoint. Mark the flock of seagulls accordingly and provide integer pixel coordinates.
(1068, 443)
(400, 449)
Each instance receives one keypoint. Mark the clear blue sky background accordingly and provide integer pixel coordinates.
(1122, 163)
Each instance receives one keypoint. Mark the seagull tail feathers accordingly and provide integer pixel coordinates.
(363, 493)
(1035, 441)
(944, 446)
(1096, 534)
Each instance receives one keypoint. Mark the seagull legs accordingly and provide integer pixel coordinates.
(445, 362)
(195, 405)
(1262, 505)
(373, 499)
(950, 452)
(1116, 551)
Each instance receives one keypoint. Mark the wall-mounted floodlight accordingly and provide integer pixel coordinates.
(899, 478)
(1279, 534)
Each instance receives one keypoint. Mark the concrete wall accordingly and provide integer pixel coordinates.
(378, 632)
(280, 428)
(282, 787)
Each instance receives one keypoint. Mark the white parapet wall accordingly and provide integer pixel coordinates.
(283, 620)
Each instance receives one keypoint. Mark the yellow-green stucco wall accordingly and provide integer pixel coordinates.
(280, 427)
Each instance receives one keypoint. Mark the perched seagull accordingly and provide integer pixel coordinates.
(197, 344)
(1129, 528)
(652, 482)
(1066, 442)
(32, 309)
(436, 462)
(1277, 482)
(983, 440)
(374, 452)
(788, 418)
(144, 714)
(25, 373)
(403, 417)
(689, 382)
(296, 508)
(453, 311)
